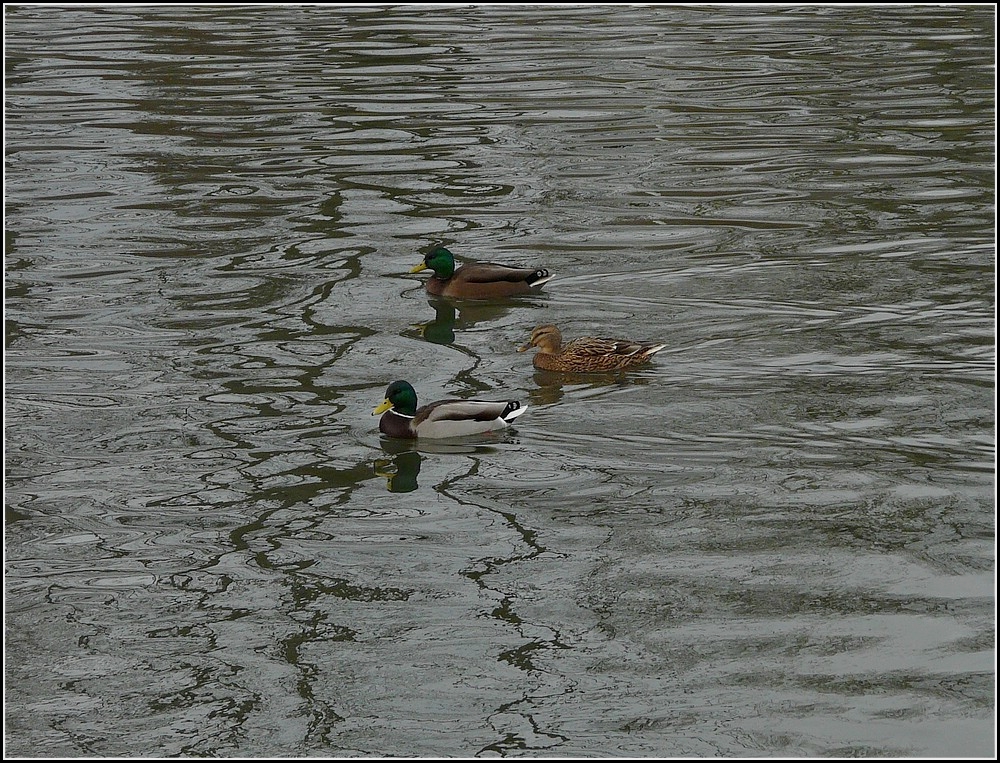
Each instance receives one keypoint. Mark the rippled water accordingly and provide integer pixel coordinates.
(776, 540)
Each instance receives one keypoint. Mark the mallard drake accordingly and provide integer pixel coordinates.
(586, 354)
(477, 280)
(443, 418)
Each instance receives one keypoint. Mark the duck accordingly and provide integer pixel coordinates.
(478, 280)
(586, 354)
(442, 418)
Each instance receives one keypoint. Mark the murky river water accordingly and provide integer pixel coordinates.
(776, 540)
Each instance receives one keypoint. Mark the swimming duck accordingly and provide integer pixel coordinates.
(443, 418)
(477, 280)
(586, 354)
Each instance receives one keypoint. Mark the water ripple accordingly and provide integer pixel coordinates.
(212, 213)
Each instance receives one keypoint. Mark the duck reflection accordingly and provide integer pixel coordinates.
(400, 471)
(552, 386)
(462, 314)
(404, 457)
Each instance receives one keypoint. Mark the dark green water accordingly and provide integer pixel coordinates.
(778, 540)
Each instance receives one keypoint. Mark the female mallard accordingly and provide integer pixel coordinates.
(586, 353)
(477, 280)
(444, 418)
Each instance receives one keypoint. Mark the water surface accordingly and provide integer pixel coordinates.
(776, 540)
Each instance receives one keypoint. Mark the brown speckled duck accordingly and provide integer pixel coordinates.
(587, 354)
(478, 280)
(443, 418)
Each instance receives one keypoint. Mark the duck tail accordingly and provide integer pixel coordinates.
(653, 349)
(539, 277)
(513, 410)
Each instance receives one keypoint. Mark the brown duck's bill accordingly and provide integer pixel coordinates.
(382, 407)
(418, 268)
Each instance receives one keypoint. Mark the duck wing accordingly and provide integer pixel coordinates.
(491, 272)
(602, 347)
(455, 418)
